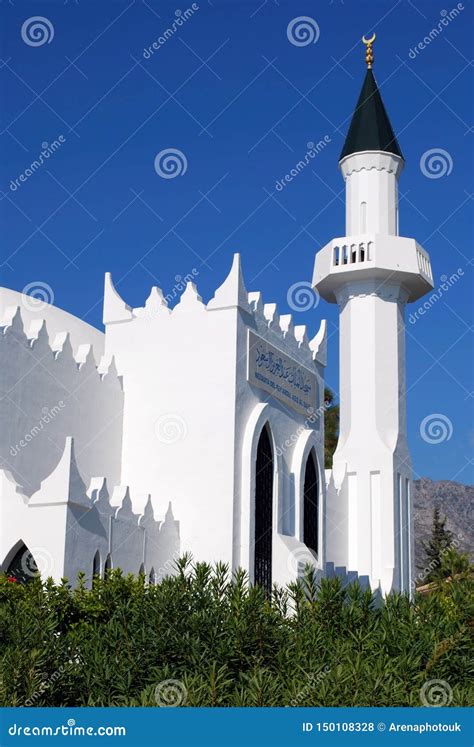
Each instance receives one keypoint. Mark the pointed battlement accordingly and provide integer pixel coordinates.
(147, 516)
(71, 529)
(34, 311)
(286, 325)
(318, 345)
(65, 486)
(156, 303)
(49, 390)
(115, 309)
(98, 493)
(36, 339)
(190, 301)
(231, 294)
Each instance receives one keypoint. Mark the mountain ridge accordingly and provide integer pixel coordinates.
(455, 501)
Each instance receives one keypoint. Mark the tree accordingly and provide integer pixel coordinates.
(331, 427)
(455, 563)
(440, 542)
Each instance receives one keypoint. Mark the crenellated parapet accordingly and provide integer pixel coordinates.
(35, 339)
(265, 319)
(66, 522)
(48, 390)
(36, 310)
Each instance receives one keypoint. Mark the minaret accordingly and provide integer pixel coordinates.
(372, 273)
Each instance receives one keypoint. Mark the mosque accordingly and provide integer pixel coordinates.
(201, 428)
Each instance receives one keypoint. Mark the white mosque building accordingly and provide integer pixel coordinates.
(201, 428)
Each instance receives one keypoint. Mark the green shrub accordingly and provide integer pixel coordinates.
(202, 638)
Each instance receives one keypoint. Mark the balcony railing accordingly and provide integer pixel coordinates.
(353, 254)
(424, 263)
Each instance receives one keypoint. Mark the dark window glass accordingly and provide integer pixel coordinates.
(263, 512)
(96, 565)
(310, 505)
(22, 566)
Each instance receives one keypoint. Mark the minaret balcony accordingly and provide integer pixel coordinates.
(370, 257)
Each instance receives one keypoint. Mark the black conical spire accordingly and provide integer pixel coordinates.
(370, 128)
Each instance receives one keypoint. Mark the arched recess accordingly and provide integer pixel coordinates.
(141, 570)
(107, 565)
(152, 577)
(96, 565)
(263, 533)
(311, 503)
(20, 563)
(308, 447)
(245, 510)
(363, 217)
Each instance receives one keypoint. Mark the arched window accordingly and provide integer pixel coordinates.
(96, 564)
(22, 567)
(152, 577)
(108, 565)
(141, 570)
(363, 217)
(311, 503)
(263, 512)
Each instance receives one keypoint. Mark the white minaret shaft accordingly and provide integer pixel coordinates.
(371, 192)
(371, 274)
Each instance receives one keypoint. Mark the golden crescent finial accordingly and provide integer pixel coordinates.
(369, 55)
(368, 41)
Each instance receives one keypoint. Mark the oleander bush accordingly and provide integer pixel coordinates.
(201, 638)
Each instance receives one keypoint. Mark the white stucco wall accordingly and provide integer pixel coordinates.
(293, 434)
(47, 395)
(190, 425)
(64, 525)
(178, 427)
(179, 402)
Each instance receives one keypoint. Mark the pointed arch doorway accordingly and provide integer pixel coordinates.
(264, 472)
(311, 504)
(22, 566)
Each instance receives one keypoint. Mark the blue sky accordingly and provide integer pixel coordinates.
(241, 102)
